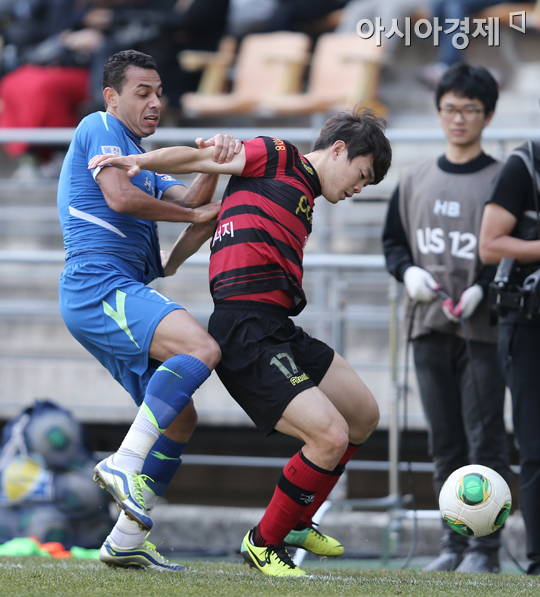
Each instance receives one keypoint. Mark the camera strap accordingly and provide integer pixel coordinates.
(503, 296)
(535, 186)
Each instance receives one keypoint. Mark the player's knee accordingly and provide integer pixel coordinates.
(365, 421)
(202, 347)
(211, 352)
(337, 439)
(372, 416)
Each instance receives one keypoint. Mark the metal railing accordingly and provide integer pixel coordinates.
(182, 135)
(330, 310)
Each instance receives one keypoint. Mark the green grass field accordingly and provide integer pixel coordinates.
(44, 577)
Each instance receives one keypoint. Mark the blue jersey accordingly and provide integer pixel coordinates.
(89, 225)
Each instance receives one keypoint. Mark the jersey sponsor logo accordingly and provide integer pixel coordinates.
(433, 240)
(452, 209)
(223, 230)
(110, 150)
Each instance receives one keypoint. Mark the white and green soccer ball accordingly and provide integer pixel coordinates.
(475, 500)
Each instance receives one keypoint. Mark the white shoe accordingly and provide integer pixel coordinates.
(126, 488)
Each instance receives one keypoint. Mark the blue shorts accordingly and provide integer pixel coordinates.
(113, 314)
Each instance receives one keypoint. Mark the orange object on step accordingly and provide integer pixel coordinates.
(57, 550)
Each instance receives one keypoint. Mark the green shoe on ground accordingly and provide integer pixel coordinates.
(272, 560)
(311, 540)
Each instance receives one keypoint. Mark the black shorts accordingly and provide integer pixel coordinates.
(266, 359)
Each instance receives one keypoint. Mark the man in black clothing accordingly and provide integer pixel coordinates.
(510, 228)
(430, 243)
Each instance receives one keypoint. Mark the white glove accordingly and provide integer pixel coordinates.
(468, 301)
(420, 284)
(448, 310)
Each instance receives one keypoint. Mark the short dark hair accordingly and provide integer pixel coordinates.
(363, 134)
(474, 82)
(114, 72)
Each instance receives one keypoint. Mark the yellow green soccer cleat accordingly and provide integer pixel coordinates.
(272, 560)
(311, 540)
(145, 556)
(126, 489)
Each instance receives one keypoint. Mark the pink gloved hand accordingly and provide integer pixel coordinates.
(448, 310)
(469, 300)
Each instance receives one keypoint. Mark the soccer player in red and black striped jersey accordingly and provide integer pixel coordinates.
(282, 377)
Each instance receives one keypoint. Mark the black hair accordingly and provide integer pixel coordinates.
(363, 134)
(114, 72)
(474, 82)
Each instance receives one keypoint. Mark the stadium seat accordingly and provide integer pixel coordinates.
(344, 72)
(268, 65)
(214, 65)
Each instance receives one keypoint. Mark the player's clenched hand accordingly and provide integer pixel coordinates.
(205, 213)
(225, 147)
(126, 162)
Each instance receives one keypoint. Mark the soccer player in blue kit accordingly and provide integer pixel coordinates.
(149, 343)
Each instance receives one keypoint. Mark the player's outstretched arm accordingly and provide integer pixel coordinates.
(188, 243)
(203, 187)
(173, 160)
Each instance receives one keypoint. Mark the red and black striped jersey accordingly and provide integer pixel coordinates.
(263, 226)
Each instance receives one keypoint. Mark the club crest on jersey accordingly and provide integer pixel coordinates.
(110, 150)
(222, 230)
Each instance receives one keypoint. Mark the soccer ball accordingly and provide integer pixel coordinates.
(58, 437)
(475, 500)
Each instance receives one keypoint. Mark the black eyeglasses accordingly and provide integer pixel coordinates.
(468, 113)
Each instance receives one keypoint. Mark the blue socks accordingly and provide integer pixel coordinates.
(170, 389)
(162, 463)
